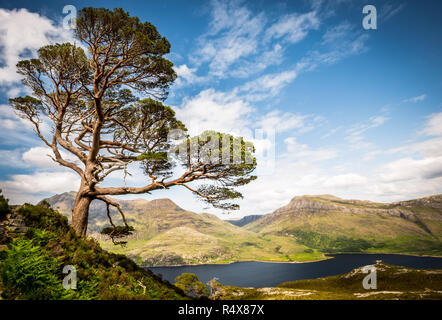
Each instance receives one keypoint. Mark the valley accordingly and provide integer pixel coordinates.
(303, 230)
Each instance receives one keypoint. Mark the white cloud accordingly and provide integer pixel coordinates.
(40, 157)
(230, 113)
(371, 123)
(213, 110)
(433, 127)
(426, 148)
(31, 187)
(337, 32)
(247, 68)
(21, 34)
(293, 27)
(345, 180)
(388, 11)
(416, 99)
(331, 132)
(305, 152)
(186, 75)
(15, 129)
(12, 159)
(233, 35)
(411, 169)
(356, 133)
(284, 121)
(268, 85)
(338, 42)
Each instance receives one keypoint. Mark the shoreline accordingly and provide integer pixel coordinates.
(327, 256)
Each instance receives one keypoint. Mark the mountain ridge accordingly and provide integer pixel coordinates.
(304, 229)
(166, 234)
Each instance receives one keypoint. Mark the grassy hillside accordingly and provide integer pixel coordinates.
(168, 235)
(330, 224)
(393, 282)
(305, 229)
(38, 243)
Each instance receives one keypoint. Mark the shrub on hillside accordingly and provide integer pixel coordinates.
(32, 266)
(189, 283)
(4, 207)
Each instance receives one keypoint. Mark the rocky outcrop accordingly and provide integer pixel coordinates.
(431, 201)
(316, 204)
(15, 223)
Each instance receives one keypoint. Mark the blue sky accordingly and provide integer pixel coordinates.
(356, 113)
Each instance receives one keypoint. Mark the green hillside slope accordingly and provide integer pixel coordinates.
(38, 243)
(168, 235)
(304, 229)
(331, 224)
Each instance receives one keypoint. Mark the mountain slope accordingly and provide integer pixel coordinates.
(245, 220)
(336, 225)
(168, 235)
(40, 243)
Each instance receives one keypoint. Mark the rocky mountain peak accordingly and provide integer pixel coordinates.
(161, 204)
(309, 203)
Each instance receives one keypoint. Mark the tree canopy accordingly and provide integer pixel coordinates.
(103, 100)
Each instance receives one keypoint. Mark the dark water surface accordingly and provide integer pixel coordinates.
(265, 274)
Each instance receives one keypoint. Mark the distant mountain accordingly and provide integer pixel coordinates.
(169, 235)
(332, 224)
(97, 214)
(304, 229)
(245, 220)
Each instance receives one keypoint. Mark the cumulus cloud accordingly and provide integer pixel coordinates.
(233, 113)
(21, 33)
(47, 178)
(426, 148)
(214, 110)
(32, 187)
(186, 75)
(40, 157)
(409, 169)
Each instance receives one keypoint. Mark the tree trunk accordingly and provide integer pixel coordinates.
(80, 213)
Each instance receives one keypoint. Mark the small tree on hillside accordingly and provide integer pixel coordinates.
(189, 283)
(91, 102)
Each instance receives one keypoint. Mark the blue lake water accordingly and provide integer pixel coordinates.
(265, 274)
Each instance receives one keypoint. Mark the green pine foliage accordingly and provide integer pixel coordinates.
(31, 267)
